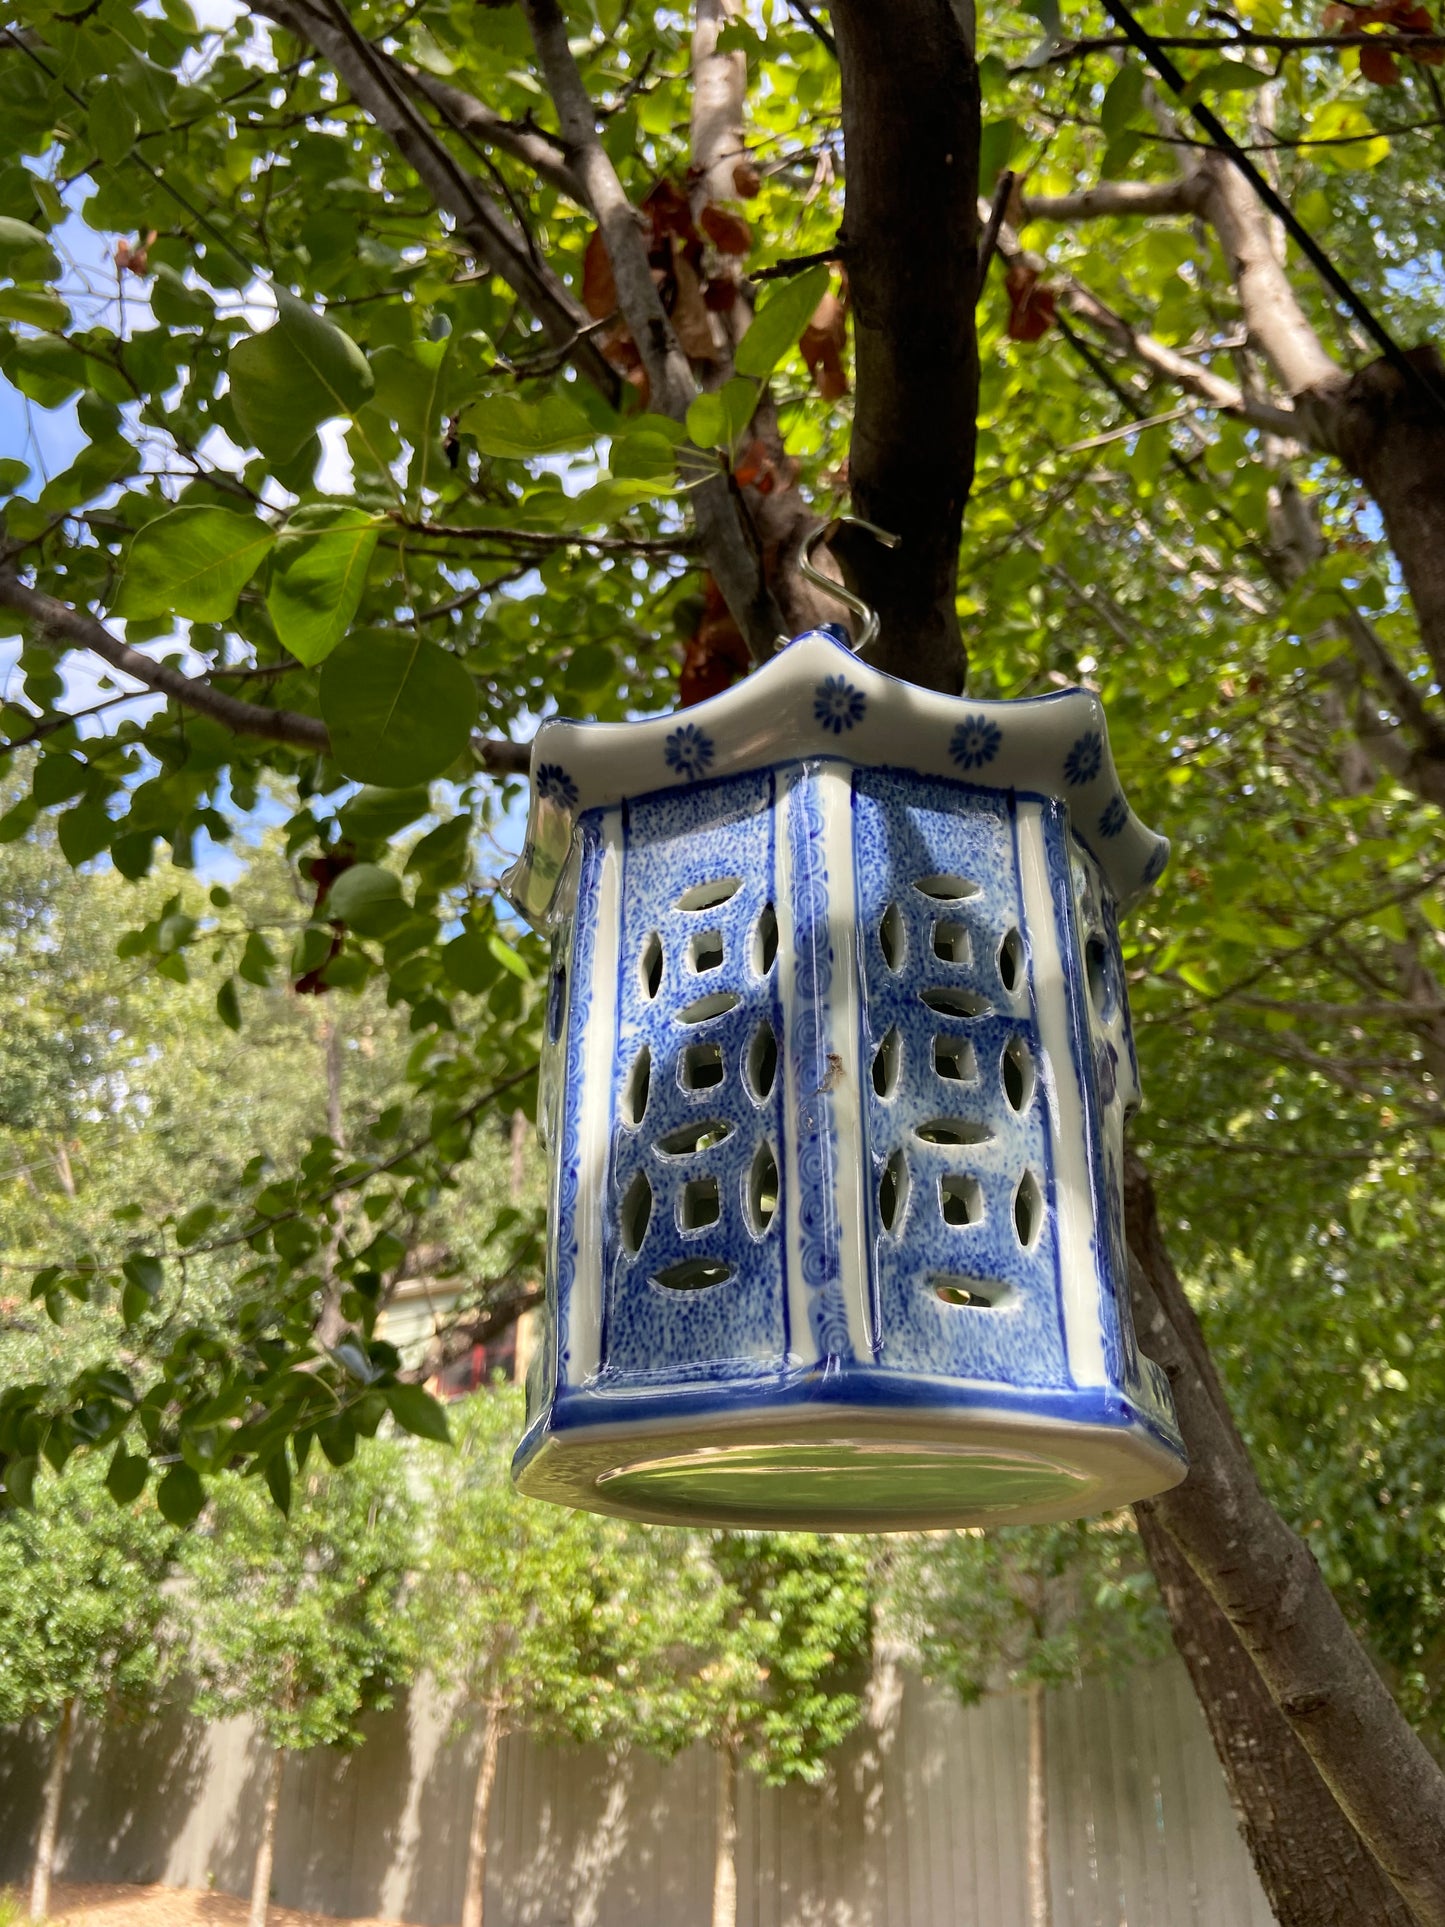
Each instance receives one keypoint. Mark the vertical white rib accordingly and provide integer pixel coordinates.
(594, 1127)
(835, 795)
(1079, 1280)
(802, 1350)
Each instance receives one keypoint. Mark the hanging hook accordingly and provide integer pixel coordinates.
(836, 589)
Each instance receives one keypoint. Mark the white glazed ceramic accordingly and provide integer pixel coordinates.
(838, 1065)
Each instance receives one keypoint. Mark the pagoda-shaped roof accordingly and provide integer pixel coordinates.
(815, 698)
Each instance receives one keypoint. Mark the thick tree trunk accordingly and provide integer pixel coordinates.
(475, 1896)
(910, 233)
(725, 1848)
(266, 1845)
(1313, 1866)
(1391, 436)
(1041, 1910)
(1265, 1581)
(50, 1813)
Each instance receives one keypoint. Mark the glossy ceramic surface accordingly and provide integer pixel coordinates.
(838, 1067)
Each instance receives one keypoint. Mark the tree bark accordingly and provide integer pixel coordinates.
(1265, 1581)
(725, 1851)
(1313, 1866)
(474, 1897)
(50, 1813)
(910, 240)
(1041, 1909)
(266, 1845)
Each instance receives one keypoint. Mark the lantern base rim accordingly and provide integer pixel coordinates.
(850, 1469)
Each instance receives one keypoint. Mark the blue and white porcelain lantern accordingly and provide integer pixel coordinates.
(838, 1065)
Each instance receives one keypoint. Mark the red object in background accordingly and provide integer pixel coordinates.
(716, 655)
(1030, 304)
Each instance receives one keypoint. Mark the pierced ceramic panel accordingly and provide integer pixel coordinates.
(837, 1069)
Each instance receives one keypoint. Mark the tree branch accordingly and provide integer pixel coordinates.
(1180, 194)
(729, 540)
(60, 627)
(911, 126)
(381, 88)
(535, 149)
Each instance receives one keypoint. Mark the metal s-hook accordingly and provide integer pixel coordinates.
(836, 589)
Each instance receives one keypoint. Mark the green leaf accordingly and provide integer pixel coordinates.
(13, 474)
(1360, 146)
(375, 816)
(1122, 99)
(126, 1476)
(25, 254)
(20, 1480)
(228, 1004)
(707, 421)
(778, 323)
(1225, 77)
(508, 958)
(418, 1412)
(180, 1495)
(505, 425)
(83, 833)
(195, 1224)
(469, 963)
(278, 1480)
(368, 897)
(145, 1271)
(58, 777)
(111, 123)
(192, 562)
(400, 709)
(38, 306)
(318, 577)
(414, 388)
(301, 372)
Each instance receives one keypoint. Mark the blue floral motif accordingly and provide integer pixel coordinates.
(1085, 759)
(975, 742)
(555, 784)
(689, 751)
(1114, 817)
(837, 705)
(1154, 868)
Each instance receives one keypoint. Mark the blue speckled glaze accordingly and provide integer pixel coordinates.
(888, 1225)
(907, 832)
(675, 842)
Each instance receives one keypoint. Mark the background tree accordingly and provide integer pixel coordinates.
(769, 1647)
(534, 1615)
(1028, 1607)
(538, 244)
(81, 1617)
(299, 1619)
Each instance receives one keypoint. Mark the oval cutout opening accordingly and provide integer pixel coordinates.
(887, 1063)
(762, 1062)
(707, 896)
(893, 1191)
(953, 1058)
(1099, 966)
(1028, 1210)
(1011, 962)
(1019, 1074)
(702, 1008)
(952, 1130)
(951, 942)
(635, 1090)
(699, 1206)
(694, 1274)
(650, 966)
(701, 1067)
(762, 1188)
(983, 1294)
(952, 1000)
(705, 952)
(946, 888)
(556, 1003)
(893, 937)
(960, 1198)
(636, 1213)
(765, 940)
(689, 1139)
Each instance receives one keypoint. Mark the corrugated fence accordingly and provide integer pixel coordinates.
(921, 1823)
